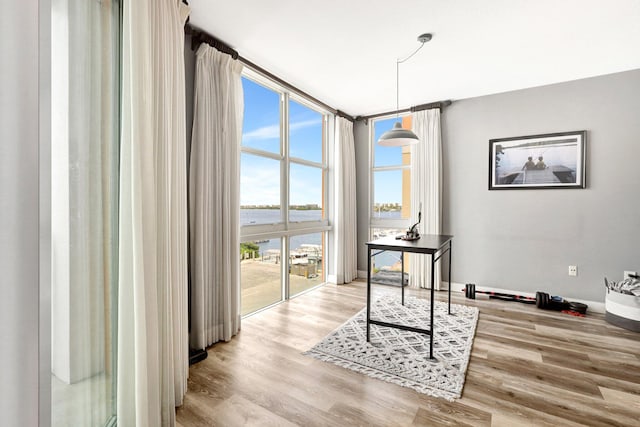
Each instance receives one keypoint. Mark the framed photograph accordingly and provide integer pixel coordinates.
(555, 160)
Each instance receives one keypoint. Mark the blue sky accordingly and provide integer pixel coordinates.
(260, 177)
(387, 184)
(385, 156)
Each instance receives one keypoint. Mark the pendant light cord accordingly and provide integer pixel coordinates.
(398, 62)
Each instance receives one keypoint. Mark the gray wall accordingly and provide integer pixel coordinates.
(19, 211)
(526, 239)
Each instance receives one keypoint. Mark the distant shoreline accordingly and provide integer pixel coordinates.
(293, 208)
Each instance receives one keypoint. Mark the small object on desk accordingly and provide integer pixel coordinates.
(412, 232)
(409, 237)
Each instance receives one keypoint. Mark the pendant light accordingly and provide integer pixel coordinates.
(398, 136)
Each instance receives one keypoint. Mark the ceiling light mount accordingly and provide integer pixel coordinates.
(398, 136)
(423, 38)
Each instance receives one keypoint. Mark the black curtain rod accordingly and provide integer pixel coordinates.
(429, 106)
(198, 36)
(439, 104)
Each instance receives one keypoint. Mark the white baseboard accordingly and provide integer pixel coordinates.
(594, 306)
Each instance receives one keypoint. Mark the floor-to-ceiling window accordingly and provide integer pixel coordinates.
(85, 52)
(283, 194)
(390, 197)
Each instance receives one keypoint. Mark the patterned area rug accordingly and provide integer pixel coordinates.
(402, 357)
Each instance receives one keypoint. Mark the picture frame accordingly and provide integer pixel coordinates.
(547, 161)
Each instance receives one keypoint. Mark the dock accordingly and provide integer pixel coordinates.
(550, 175)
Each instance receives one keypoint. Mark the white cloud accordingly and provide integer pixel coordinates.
(304, 124)
(260, 177)
(273, 131)
(265, 132)
(261, 186)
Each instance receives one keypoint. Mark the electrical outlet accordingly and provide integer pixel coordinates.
(573, 270)
(628, 274)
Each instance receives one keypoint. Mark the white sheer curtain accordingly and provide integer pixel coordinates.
(152, 299)
(214, 198)
(426, 189)
(345, 204)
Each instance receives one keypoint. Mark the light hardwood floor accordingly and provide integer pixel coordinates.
(527, 367)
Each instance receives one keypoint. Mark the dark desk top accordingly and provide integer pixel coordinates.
(427, 244)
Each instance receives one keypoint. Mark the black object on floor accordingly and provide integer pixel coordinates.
(542, 300)
(546, 302)
(578, 307)
(470, 292)
(196, 356)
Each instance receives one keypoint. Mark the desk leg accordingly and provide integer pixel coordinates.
(368, 290)
(402, 275)
(431, 326)
(450, 255)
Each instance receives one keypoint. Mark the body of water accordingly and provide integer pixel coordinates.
(388, 215)
(272, 216)
(295, 242)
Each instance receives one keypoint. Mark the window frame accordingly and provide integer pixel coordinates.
(382, 222)
(285, 228)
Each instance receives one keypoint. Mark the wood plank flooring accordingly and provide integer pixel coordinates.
(528, 367)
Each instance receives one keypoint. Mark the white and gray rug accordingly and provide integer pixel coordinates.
(402, 357)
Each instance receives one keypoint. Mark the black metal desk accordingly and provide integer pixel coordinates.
(435, 245)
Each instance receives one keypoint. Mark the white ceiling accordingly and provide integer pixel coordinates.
(344, 52)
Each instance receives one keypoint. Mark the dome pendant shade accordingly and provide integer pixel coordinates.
(398, 136)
